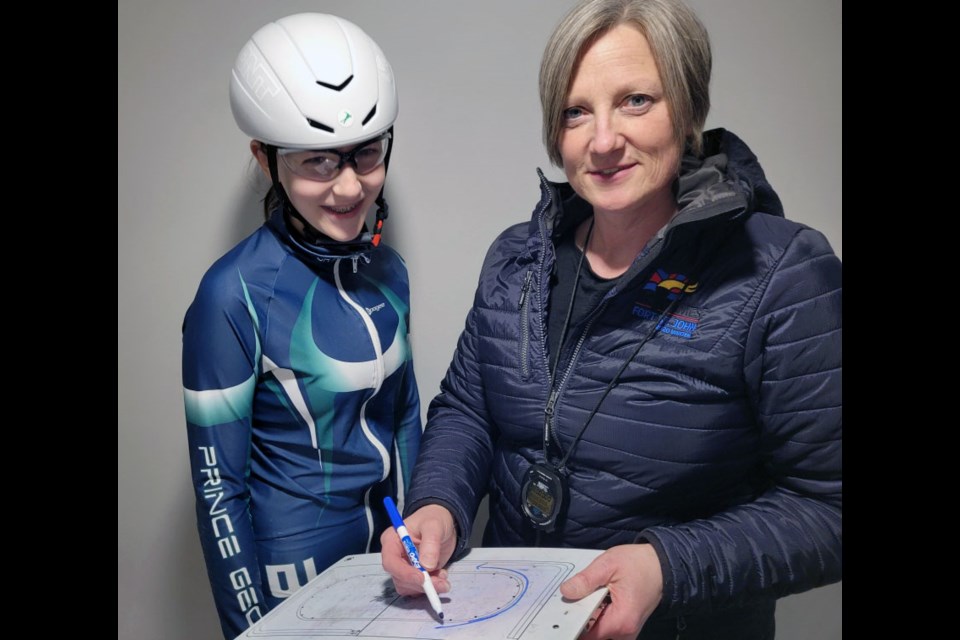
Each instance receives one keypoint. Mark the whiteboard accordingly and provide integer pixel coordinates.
(510, 593)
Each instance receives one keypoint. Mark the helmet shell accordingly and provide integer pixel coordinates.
(312, 81)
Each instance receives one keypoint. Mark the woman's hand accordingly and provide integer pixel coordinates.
(632, 573)
(433, 531)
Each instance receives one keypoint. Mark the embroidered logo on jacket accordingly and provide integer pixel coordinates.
(673, 283)
(664, 288)
(672, 324)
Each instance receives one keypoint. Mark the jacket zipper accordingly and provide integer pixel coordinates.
(549, 422)
(558, 389)
(525, 326)
(548, 418)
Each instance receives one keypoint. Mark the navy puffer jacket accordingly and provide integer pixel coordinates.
(721, 442)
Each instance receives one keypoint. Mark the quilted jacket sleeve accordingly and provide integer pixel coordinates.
(789, 539)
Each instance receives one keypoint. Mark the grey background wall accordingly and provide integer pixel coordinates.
(468, 141)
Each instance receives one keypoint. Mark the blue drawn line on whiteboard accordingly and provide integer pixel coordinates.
(523, 579)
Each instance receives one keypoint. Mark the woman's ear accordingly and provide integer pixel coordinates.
(256, 148)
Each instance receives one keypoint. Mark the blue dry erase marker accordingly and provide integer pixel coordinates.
(413, 555)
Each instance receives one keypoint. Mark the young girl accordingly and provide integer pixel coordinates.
(301, 402)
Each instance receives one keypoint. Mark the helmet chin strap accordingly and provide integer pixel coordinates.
(309, 233)
(382, 209)
(382, 212)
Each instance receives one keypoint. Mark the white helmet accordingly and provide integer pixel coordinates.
(312, 81)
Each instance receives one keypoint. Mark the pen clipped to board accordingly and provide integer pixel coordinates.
(411, 549)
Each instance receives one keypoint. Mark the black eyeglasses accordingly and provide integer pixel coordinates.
(325, 164)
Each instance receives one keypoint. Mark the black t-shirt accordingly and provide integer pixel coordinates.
(590, 290)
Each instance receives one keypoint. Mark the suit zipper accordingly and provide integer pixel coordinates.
(376, 383)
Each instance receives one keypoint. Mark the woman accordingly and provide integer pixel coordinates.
(652, 365)
(302, 407)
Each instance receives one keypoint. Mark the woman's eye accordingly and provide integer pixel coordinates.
(572, 113)
(637, 101)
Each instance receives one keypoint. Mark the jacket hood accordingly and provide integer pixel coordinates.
(732, 155)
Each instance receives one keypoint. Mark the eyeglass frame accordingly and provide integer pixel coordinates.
(344, 156)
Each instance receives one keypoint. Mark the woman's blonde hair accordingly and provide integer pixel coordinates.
(680, 46)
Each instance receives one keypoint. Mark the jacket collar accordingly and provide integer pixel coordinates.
(312, 253)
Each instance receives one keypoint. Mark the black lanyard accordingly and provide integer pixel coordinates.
(544, 487)
(543, 491)
(561, 467)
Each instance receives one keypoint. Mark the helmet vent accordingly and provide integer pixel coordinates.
(372, 113)
(319, 125)
(335, 87)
